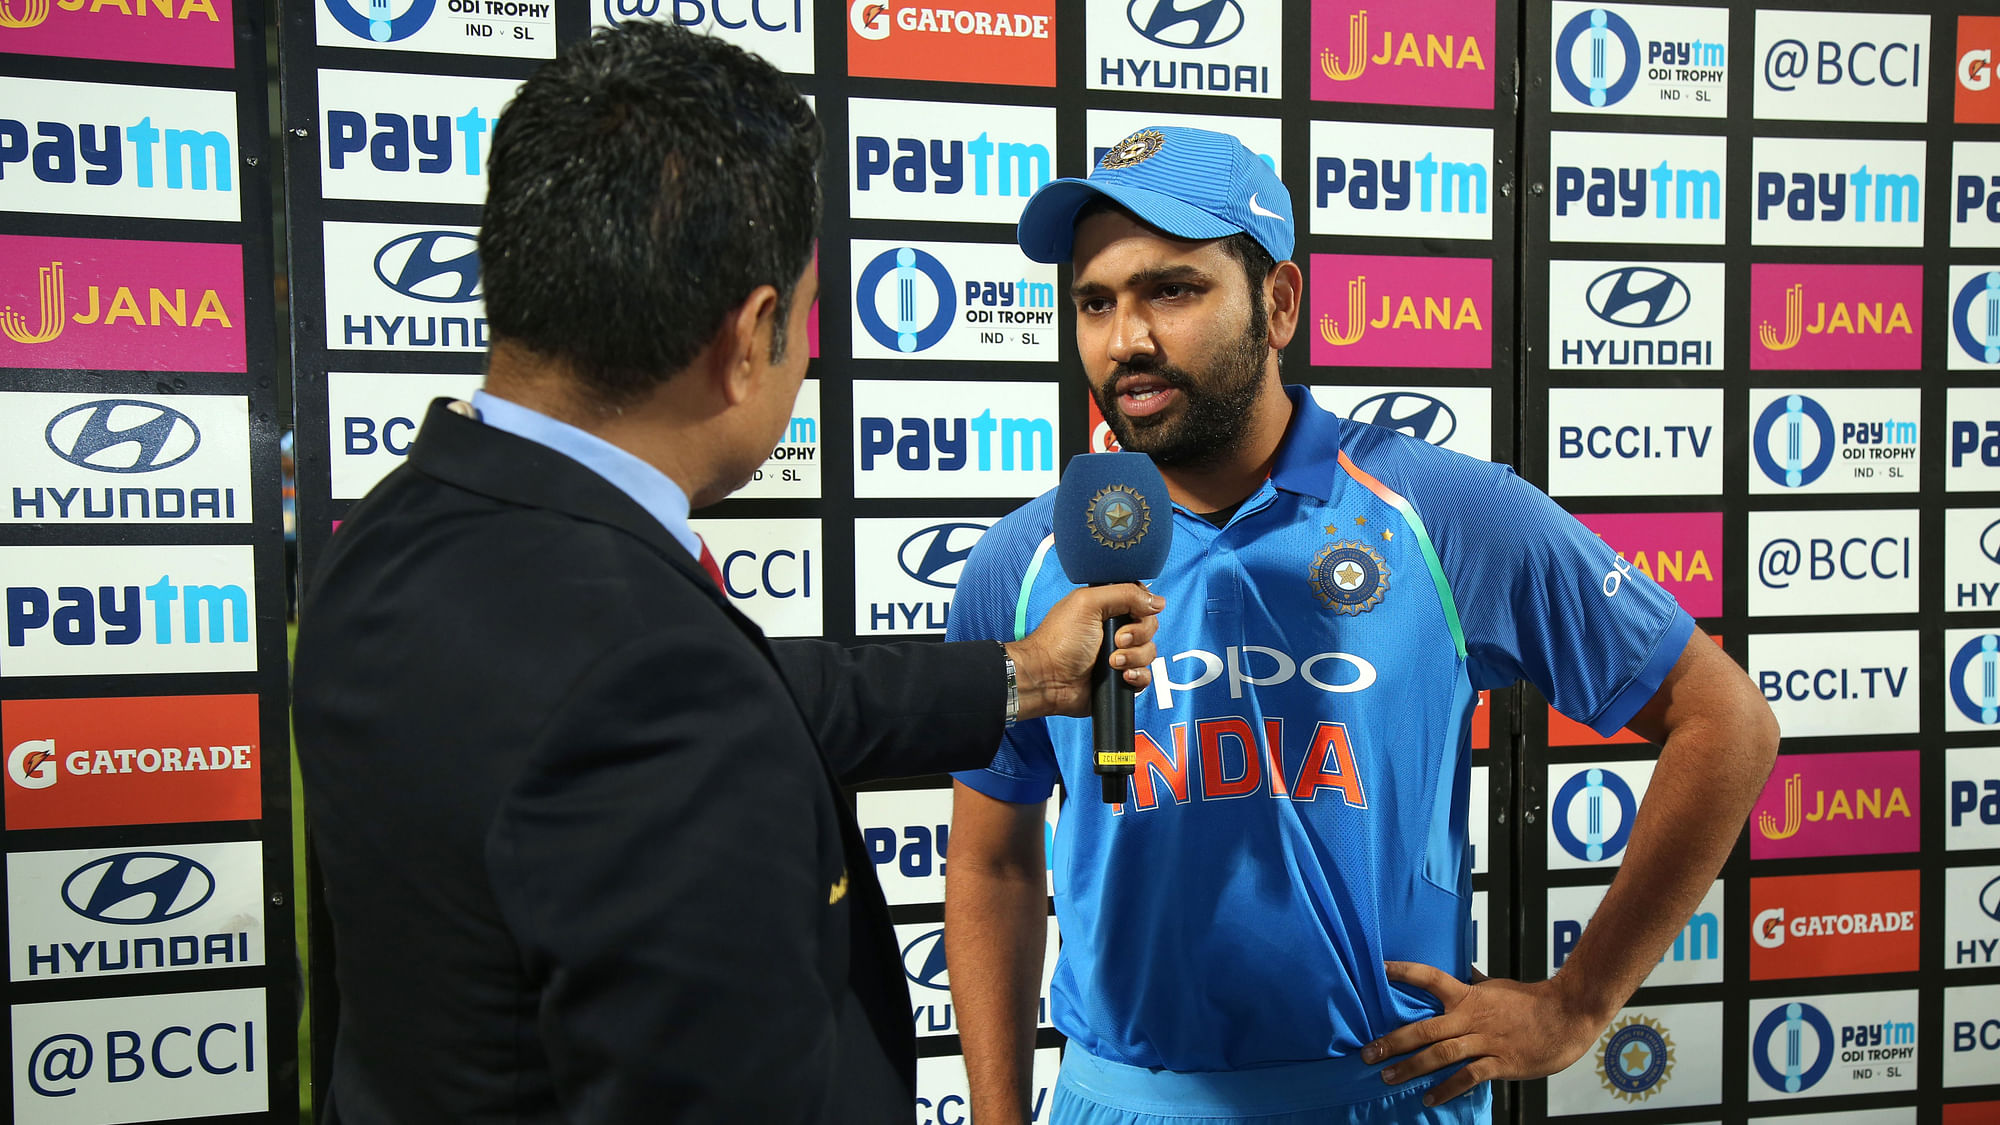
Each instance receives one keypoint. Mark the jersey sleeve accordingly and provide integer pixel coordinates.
(1543, 598)
(990, 604)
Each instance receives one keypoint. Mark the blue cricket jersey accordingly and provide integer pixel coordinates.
(1298, 812)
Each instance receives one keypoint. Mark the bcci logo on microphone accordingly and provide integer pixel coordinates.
(1118, 517)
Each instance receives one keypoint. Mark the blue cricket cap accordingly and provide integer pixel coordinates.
(1190, 183)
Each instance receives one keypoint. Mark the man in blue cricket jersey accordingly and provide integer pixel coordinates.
(1275, 928)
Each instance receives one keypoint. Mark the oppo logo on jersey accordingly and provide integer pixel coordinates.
(1258, 666)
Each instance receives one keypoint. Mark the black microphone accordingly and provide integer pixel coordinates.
(1114, 524)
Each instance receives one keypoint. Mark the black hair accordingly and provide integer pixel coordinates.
(641, 185)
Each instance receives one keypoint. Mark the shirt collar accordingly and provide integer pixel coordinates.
(1308, 457)
(650, 488)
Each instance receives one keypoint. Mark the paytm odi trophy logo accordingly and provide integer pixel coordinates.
(1635, 1058)
(378, 25)
(1349, 578)
(1984, 650)
(908, 335)
(1798, 1074)
(1118, 517)
(1596, 843)
(1596, 84)
(1975, 319)
(1795, 411)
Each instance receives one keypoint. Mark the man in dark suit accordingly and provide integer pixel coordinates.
(580, 824)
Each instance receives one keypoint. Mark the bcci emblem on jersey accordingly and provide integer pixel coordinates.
(1118, 517)
(1349, 577)
(1635, 1059)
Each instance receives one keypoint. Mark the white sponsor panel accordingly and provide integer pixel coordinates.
(929, 980)
(1635, 441)
(771, 570)
(1971, 917)
(1478, 820)
(1694, 958)
(420, 138)
(949, 162)
(517, 29)
(1972, 439)
(1104, 128)
(1971, 798)
(944, 1098)
(1591, 809)
(1971, 559)
(1972, 324)
(1458, 418)
(1638, 59)
(1833, 562)
(906, 571)
(1812, 192)
(1975, 193)
(1228, 47)
(373, 417)
(1637, 187)
(1412, 181)
(781, 31)
(122, 911)
(134, 1058)
(1653, 1056)
(96, 458)
(403, 287)
(1972, 679)
(1838, 683)
(91, 148)
(1635, 316)
(1834, 440)
(954, 439)
(1971, 1035)
(1833, 1046)
(1842, 66)
(952, 301)
(1906, 1115)
(100, 611)
(792, 472)
(908, 832)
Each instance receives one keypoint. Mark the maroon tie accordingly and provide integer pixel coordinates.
(708, 564)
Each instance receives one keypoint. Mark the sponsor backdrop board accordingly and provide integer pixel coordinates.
(146, 811)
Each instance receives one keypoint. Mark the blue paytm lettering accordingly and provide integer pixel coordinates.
(120, 615)
(1833, 197)
(1662, 191)
(152, 156)
(429, 143)
(1433, 185)
(1298, 812)
(922, 444)
(981, 165)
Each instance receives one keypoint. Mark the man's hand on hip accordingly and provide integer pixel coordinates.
(1505, 1028)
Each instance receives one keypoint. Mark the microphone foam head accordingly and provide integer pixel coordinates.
(1113, 520)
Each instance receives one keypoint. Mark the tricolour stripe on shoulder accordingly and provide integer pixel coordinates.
(1028, 585)
(1395, 500)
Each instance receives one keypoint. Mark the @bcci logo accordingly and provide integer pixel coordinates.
(439, 266)
(1635, 1058)
(1118, 517)
(912, 299)
(932, 556)
(1194, 27)
(1595, 843)
(1637, 297)
(923, 961)
(138, 888)
(1789, 466)
(1975, 317)
(378, 25)
(1349, 578)
(1797, 1074)
(1984, 708)
(122, 435)
(1407, 412)
(1593, 83)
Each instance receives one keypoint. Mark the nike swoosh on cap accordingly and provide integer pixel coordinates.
(1266, 212)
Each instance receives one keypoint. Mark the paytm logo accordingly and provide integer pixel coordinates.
(1857, 66)
(1838, 683)
(1834, 441)
(907, 834)
(1826, 1046)
(421, 138)
(1402, 180)
(1694, 958)
(1975, 193)
(101, 610)
(99, 149)
(771, 571)
(1972, 432)
(1627, 187)
(954, 439)
(1833, 562)
(1634, 441)
(984, 170)
(1971, 798)
(792, 472)
(1836, 193)
(952, 301)
(1632, 59)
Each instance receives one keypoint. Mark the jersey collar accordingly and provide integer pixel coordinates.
(1308, 458)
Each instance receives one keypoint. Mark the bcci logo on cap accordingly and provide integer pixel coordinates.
(1137, 148)
(1118, 517)
(1790, 465)
(1975, 317)
(1595, 843)
(1594, 83)
(1976, 692)
(1349, 578)
(378, 25)
(1797, 1074)
(1635, 1059)
(911, 332)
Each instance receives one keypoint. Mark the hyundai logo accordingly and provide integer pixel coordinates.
(1407, 412)
(1989, 541)
(1170, 23)
(923, 961)
(1989, 899)
(440, 266)
(138, 888)
(1637, 297)
(936, 555)
(122, 435)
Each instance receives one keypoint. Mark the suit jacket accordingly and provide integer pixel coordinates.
(579, 823)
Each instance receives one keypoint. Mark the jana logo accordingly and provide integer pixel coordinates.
(1166, 22)
(122, 435)
(1798, 1074)
(935, 556)
(909, 334)
(1793, 471)
(1594, 785)
(49, 287)
(1597, 87)
(138, 888)
(377, 24)
(440, 266)
(1984, 710)
(1978, 335)
(923, 961)
(1638, 297)
(1407, 412)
